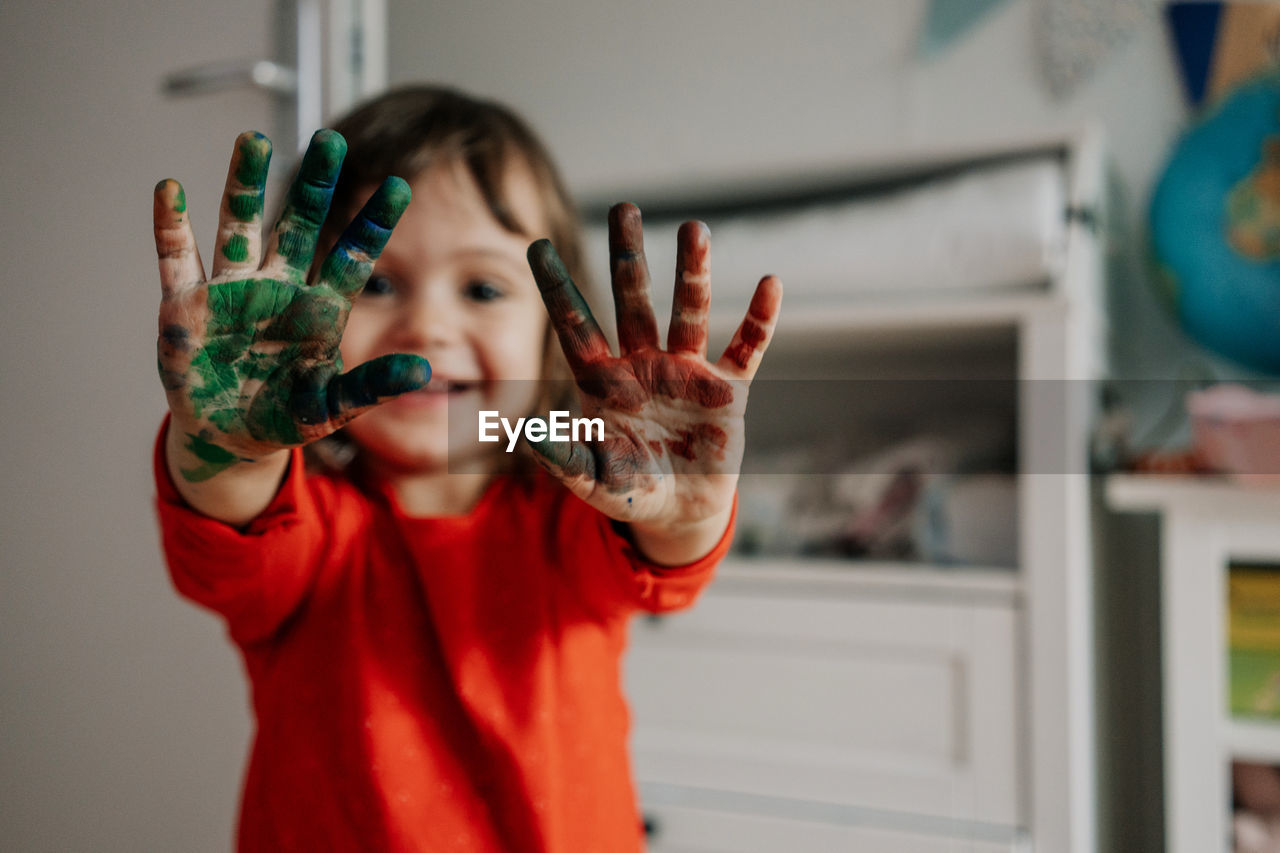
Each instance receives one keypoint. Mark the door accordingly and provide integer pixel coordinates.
(124, 713)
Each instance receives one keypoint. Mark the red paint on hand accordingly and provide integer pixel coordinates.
(744, 346)
(753, 335)
(673, 423)
(699, 435)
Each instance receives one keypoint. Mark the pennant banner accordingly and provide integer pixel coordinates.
(1075, 37)
(1222, 44)
(947, 20)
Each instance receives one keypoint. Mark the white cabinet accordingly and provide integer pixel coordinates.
(690, 830)
(820, 705)
(1206, 525)
(839, 687)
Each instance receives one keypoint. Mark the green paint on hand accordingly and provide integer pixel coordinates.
(295, 245)
(308, 199)
(238, 305)
(265, 371)
(271, 417)
(236, 248)
(255, 157)
(214, 459)
(268, 353)
(245, 206)
(348, 265)
(389, 202)
(330, 148)
(178, 204)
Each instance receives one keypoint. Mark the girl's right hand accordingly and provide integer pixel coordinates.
(249, 356)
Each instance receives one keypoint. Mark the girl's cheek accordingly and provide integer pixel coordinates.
(360, 334)
(516, 352)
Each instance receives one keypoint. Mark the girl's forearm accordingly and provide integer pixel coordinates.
(682, 543)
(235, 494)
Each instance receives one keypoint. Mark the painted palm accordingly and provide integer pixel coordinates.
(249, 356)
(673, 421)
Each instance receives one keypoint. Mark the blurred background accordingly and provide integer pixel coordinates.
(123, 712)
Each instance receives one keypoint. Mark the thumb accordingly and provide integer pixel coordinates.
(570, 462)
(361, 388)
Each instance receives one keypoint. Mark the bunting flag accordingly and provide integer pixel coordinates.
(1221, 44)
(1075, 37)
(947, 20)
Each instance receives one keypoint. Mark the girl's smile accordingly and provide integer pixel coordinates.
(453, 286)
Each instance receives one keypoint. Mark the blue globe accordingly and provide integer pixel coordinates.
(1215, 226)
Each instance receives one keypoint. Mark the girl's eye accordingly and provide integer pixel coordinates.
(379, 285)
(483, 291)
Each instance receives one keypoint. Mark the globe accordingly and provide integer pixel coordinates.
(1215, 226)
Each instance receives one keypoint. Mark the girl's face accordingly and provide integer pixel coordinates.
(452, 285)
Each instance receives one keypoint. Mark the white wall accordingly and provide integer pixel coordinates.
(123, 715)
(671, 91)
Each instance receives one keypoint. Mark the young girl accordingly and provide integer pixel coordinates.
(433, 632)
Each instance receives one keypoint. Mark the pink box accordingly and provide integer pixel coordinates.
(1236, 431)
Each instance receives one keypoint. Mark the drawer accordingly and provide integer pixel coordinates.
(902, 704)
(688, 830)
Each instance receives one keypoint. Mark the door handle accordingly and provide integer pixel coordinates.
(271, 77)
(305, 84)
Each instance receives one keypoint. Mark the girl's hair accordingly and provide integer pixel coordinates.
(406, 131)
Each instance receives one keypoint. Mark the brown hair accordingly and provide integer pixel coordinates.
(408, 130)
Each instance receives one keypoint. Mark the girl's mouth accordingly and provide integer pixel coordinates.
(438, 392)
(449, 386)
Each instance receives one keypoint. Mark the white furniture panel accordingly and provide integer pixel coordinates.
(881, 700)
(691, 830)
(932, 709)
(1206, 525)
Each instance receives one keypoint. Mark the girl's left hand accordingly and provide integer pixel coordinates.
(673, 421)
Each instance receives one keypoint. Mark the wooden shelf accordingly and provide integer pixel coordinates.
(1219, 496)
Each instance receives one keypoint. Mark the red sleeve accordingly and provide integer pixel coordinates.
(254, 578)
(616, 579)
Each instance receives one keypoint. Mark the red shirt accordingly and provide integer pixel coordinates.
(429, 684)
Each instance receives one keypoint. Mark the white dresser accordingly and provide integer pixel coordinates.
(826, 705)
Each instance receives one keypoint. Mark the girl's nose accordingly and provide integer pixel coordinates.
(430, 320)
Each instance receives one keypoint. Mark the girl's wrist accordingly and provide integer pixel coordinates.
(680, 542)
(189, 452)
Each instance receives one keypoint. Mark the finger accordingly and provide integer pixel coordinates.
(175, 243)
(580, 335)
(637, 328)
(347, 267)
(355, 392)
(239, 244)
(692, 303)
(572, 463)
(744, 352)
(293, 240)
(566, 460)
